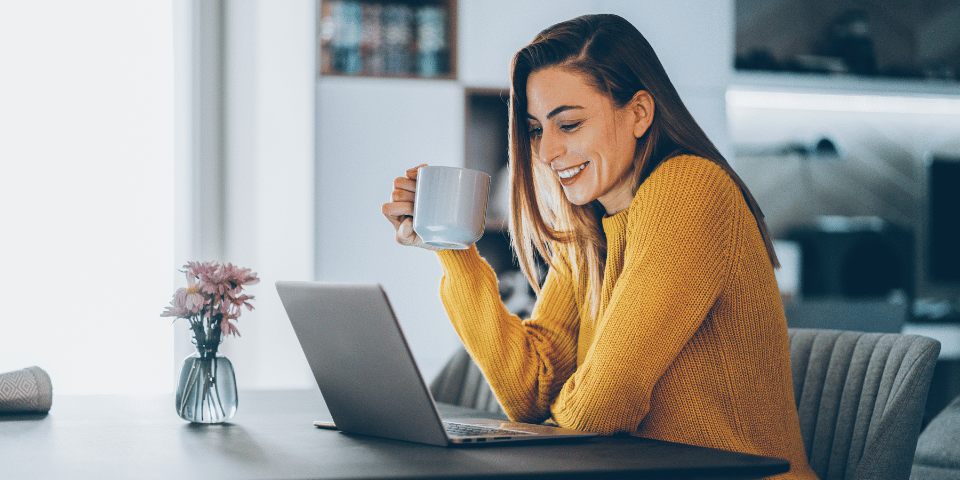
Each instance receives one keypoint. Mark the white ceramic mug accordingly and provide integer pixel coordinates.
(450, 206)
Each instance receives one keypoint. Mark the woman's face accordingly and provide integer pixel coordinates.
(584, 138)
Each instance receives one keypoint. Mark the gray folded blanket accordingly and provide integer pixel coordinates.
(25, 391)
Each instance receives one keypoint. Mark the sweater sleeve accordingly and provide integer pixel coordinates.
(526, 362)
(676, 260)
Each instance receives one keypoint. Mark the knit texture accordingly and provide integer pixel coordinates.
(690, 342)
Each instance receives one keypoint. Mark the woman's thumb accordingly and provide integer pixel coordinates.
(405, 233)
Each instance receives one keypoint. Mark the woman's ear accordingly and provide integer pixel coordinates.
(643, 108)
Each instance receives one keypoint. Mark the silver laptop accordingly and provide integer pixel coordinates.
(368, 376)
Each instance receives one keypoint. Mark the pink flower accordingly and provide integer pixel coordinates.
(228, 328)
(187, 302)
(196, 269)
(214, 296)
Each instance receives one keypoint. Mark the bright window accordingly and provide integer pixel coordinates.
(86, 192)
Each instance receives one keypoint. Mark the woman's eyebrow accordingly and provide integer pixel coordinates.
(556, 111)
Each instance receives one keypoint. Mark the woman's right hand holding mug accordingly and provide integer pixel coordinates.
(439, 208)
(400, 210)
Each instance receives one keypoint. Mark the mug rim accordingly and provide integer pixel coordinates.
(448, 167)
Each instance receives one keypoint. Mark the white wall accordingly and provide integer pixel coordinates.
(371, 131)
(268, 181)
(491, 31)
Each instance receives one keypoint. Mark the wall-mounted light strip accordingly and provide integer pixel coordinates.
(879, 103)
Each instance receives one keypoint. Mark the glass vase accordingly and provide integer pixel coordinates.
(207, 389)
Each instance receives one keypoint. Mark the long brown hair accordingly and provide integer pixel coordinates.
(619, 62)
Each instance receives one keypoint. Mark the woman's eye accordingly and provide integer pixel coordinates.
(535, 131)
(569, 127)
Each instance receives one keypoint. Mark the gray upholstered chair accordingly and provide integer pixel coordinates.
(938, 449)
(860, 398)
(461, 383)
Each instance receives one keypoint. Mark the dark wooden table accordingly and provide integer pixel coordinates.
(272, 436)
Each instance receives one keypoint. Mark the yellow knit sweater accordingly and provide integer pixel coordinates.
(690, 343)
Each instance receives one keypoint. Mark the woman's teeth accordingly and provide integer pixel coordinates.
(571, 171)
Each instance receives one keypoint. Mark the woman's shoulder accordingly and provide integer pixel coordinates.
(684, 175)
(687, 183)
(690, 167)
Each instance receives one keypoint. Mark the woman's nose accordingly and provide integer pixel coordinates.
(550, 147)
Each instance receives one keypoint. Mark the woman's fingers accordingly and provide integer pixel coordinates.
(400, 209)
(402, 195)
(405, 184)
(401, 199)
(412, 172)
(397, 211)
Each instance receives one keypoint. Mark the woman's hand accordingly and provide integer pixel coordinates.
(400, 210)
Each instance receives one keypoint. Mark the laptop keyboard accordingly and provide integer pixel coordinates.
(465, 430)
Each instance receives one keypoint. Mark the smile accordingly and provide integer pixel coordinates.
(572, 171)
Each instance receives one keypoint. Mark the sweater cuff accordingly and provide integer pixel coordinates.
(460, 262)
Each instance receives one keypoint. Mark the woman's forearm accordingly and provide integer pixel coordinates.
(525, 361)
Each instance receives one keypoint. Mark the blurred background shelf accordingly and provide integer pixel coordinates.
(396, 38)
(863, 38)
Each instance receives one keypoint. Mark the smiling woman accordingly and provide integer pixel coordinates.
(87, 192)
(660, 314)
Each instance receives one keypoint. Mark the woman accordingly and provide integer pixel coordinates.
(660, 315)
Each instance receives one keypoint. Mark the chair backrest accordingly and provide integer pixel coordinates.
(860, 398)
(938, 452)
(462, 383)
